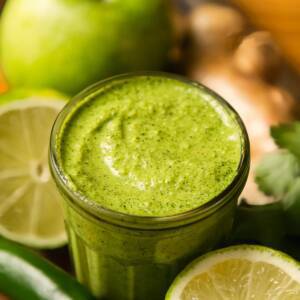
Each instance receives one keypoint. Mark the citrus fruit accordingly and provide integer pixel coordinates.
(30, 209)
(239, 273)
(68, 45)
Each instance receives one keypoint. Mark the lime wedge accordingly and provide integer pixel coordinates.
(239, 273)
(30, 208)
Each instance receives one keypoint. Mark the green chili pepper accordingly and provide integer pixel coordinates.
(26, 276)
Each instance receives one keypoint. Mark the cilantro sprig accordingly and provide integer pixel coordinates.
(278, 174)
(287, 136)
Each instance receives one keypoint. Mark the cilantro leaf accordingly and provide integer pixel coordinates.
(276, 173)
(287, 136)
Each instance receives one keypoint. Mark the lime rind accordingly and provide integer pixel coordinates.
(33, 241)
(33, 95)
(30, 103)
(253, 253)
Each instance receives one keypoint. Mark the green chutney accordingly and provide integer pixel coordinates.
(152, 146)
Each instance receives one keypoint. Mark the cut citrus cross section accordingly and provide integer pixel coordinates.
(30, 208)
(239, 273)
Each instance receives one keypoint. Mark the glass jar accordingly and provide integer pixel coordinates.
(126, 257)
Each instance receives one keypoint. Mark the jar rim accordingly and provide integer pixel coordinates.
(98, 211)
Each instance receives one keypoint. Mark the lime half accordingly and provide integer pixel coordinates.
(30, 206)
(239, 273)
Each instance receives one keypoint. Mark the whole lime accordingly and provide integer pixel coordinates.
(69, 44)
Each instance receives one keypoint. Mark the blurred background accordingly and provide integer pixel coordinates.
(248, 51)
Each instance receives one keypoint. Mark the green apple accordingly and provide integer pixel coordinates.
(69, 44)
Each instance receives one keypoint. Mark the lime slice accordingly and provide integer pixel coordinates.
(239, 273)
(30, 208)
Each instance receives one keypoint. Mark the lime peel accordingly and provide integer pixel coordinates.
(250, 253)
